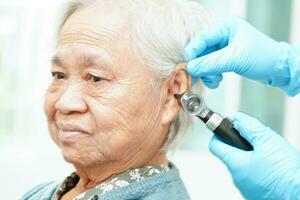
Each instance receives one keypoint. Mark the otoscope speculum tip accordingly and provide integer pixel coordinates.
(192, 103)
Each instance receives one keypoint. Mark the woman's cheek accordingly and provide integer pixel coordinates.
(113, 129)
(51, 97)
(49, 106)
(53, 131)
(53, 93)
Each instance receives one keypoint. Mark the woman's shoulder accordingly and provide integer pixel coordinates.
(43, 191)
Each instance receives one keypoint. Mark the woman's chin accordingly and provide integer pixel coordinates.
(73, 157)
(76, 158)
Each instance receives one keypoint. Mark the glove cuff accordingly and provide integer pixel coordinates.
(290, 64)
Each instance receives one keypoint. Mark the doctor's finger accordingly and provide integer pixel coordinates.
(206, 43)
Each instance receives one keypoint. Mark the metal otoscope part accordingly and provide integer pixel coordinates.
(220, 126)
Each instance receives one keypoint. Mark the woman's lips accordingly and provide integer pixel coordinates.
(70, 132)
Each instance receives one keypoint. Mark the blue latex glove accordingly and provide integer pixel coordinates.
(270, 171)
(238, 47)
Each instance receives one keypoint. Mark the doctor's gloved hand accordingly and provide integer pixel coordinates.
(238, 47)
(270, 171)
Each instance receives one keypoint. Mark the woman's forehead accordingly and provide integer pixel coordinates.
(95, 28)
(96, 34)
(101, 20)
(81, 55)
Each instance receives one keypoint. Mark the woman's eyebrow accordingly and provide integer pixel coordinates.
(98, 61)
(57, 61)
(91, 59)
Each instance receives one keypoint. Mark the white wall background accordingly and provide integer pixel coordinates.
(292, 104)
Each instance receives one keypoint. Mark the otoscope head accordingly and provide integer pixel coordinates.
(192, 103)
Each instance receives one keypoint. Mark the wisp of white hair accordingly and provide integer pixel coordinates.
(161, 30)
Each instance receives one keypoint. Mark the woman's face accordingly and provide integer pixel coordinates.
(100, 105)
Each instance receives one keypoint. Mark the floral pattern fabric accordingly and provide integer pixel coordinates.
(121, 180)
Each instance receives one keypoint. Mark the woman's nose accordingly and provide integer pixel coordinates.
(71, 101)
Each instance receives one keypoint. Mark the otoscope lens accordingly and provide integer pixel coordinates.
(194, 104)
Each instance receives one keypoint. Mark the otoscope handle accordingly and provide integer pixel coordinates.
(224, 129)
(228, 134)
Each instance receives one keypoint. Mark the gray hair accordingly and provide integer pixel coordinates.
(161, 30)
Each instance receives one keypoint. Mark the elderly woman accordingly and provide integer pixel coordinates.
(111, 107)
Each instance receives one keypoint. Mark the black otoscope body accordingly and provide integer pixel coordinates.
(220, 126)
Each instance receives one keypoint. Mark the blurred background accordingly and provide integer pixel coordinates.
(27, 155)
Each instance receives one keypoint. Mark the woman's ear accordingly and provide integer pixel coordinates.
(179, 83)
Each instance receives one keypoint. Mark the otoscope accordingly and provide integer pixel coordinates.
(222, 127)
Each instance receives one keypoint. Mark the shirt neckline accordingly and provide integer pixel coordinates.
(120, 180)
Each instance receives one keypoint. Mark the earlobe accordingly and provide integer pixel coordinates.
(179, 83)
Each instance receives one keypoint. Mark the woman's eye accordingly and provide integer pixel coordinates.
(94, 78)
(58, 75)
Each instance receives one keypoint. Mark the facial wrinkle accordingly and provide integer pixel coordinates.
(87, 36)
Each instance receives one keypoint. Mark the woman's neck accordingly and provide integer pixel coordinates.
(95, 175)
